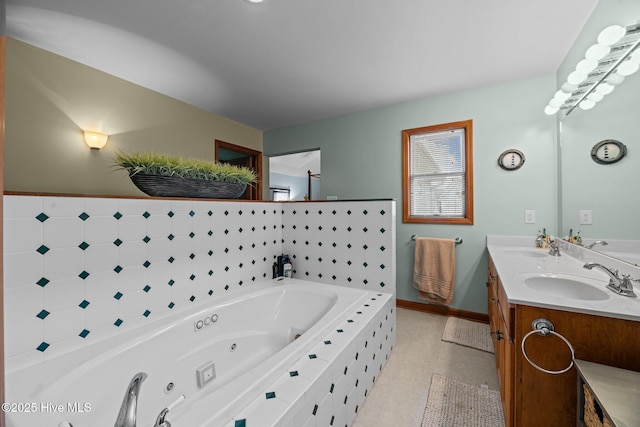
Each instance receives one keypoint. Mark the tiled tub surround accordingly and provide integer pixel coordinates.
(78, 270)
(264, 375)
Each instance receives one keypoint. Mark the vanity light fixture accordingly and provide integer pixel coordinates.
(95, 140)
(605, 66)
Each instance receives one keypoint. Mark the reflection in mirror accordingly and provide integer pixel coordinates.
(609, 191)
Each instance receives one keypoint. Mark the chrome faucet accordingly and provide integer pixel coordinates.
(597, 242)
(554, 248)
(129, 407)
(619, 285)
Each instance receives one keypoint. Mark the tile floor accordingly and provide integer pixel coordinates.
(399, 395)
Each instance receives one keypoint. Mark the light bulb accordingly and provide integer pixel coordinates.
(627, 68)
(615, 79)
(550, 111)
(586, 66)
(635, 56)
(561, 96)
(611, 34)
(568, 87)
(555, 103)
(595, 97)
(597, 52)
(575, 78)
(605, 88)
(587, 104)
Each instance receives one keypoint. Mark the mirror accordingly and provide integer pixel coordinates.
(607, 195)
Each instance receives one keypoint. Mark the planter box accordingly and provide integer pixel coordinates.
(175, 186)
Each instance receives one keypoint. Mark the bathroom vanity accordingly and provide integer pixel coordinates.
(526, 284)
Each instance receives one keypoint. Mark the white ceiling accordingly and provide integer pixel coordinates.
(284, 62)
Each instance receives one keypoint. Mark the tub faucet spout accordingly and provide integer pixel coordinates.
(129, 407)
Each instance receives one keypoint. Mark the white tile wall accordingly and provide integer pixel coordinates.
(77, 270)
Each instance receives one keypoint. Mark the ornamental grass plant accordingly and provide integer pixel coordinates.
(160, 164)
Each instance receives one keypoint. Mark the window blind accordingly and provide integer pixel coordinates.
(438, 174)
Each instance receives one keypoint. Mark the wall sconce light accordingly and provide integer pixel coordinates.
(95, 140)
(605, 66)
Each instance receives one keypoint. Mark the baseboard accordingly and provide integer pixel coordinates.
(445, 311)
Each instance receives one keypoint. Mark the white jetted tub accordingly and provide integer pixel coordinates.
(266, 356)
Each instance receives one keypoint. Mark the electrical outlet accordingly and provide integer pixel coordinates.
(529, 216)
(585, 217)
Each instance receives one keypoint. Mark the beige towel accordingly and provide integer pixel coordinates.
(434, 269)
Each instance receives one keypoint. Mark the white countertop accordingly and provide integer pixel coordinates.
(510, 258)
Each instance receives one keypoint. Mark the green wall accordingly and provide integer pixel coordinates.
(50, 100)
(361, 158)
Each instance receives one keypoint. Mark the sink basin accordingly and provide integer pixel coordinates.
(567, 286)
(530, 253)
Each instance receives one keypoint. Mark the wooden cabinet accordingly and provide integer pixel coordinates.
(501, 319)
(532, 398)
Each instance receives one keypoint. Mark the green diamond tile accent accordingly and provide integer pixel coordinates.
(192, 214)
(146, 239)
(313, 356)
(192, 298)
(117, 295)
(146, 313)
(270, 395)
(84, 333)
(118, 322)
(210, 233)
(83, 275)
(170, 214)
(382, 230)
(170, 237)
(146, 214)
(147, 288)
(382, 266)
(42, 250)
(171, 259)
(42, 282)
(42, 217)
(210, 213)
(171, 305)
(43, 346)
(171, 282)
(293, 374)
(117, 242)
(117, 269)
(192, 235)
(192, 256)
(146, 264)
(240, 423)
(382, 212)
(117, 215)
(83, 245)
(84, 216)
(43, 314)
(192, 277)
(84, 304)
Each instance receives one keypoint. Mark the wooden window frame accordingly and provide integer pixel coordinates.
(467, 125)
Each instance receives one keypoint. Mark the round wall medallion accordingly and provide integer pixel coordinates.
(511, 160)
(608, 151)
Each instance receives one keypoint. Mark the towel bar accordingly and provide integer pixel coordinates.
(458, 240)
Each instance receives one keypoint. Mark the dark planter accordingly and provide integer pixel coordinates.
(175, 186)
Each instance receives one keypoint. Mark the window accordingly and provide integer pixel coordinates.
(437, 174)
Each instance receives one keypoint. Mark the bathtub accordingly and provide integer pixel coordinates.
(285, 352)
